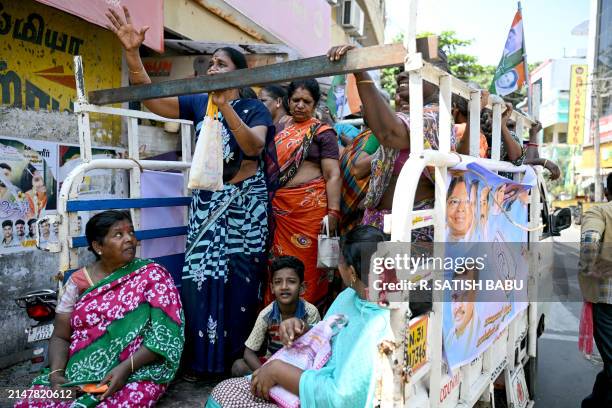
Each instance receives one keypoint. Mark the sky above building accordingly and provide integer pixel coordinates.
(548, 25)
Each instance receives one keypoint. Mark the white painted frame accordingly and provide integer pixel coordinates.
(399, 225)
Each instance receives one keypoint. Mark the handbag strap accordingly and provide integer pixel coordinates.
(325, 226)
(212, 110)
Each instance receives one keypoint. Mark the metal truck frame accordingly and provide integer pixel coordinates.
(399, 386)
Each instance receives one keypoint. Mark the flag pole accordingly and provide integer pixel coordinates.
(527, 79)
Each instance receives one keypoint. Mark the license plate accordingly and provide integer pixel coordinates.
(40, 333)
(416, 350)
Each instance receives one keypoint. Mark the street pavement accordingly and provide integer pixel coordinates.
(565, 376)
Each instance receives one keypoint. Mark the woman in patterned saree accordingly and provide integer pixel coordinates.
(392, 129)
(119, 323)
(309, 185)
(227, 235)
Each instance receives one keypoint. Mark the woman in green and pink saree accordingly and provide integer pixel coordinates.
(118, 330)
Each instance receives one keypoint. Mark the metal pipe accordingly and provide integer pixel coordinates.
(128, 113)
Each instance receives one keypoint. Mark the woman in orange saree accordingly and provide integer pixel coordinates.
(310, 185)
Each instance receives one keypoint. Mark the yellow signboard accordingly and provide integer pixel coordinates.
(37, 47)
(416, 350)
(577, 104)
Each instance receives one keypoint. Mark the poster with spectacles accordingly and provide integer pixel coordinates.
(28, 183)
(486, 221)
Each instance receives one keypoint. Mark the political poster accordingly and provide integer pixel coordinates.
(100, 183)
(96, 184)
(28, 182)
(486, 221)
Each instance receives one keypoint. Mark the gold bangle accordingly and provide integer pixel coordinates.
(55, 371)
(238, 128)
(132, 362)
(366, 81)
(135, 72)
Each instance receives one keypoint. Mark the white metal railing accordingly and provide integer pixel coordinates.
(399, 223)
(68, 220)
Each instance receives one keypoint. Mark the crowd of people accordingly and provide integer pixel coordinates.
(250, 281)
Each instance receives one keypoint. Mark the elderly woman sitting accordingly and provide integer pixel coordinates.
(348, 377)
(119, 326)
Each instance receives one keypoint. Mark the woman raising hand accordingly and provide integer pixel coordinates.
(228, 229)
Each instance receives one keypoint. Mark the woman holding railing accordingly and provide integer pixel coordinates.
(228, 229)
(392, 129)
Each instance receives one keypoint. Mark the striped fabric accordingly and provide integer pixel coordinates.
(353, 190)
(225, 264)
(234, 221)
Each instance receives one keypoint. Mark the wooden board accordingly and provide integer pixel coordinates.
(361, 59)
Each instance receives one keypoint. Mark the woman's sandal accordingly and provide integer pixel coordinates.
(191, 377)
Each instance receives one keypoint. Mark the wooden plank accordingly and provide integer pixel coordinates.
(356, 60)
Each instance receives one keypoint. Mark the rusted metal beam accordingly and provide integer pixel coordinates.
(356, 60)
(208, 47)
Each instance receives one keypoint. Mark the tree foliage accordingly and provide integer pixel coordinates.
(464, 66)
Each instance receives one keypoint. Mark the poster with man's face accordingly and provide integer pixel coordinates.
(102, 183)
(486, 216)
(28, 182)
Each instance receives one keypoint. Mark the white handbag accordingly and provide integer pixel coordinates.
(207, 163)
(328, 251)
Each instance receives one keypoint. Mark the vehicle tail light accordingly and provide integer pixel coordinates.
(40, 312)
(38, 359)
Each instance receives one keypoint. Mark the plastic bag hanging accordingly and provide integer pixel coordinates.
(207, 163)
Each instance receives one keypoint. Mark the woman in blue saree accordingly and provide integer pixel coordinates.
(225, 259)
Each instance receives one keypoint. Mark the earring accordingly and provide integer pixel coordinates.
(353, 280)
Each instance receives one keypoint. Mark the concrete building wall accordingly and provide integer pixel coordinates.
(37, 83)
(25, 271)
(192, 20)
(554, 76)
(374, 27)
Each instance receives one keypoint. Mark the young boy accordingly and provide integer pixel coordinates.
(287, 284)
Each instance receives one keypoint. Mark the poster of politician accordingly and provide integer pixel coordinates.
(486, 217)
(101, 183)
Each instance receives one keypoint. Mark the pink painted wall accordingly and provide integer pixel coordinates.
(302, 24)
(149, 12)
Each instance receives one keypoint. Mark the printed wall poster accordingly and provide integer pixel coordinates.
(97, 183)
(486, 217)
(28, 182)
